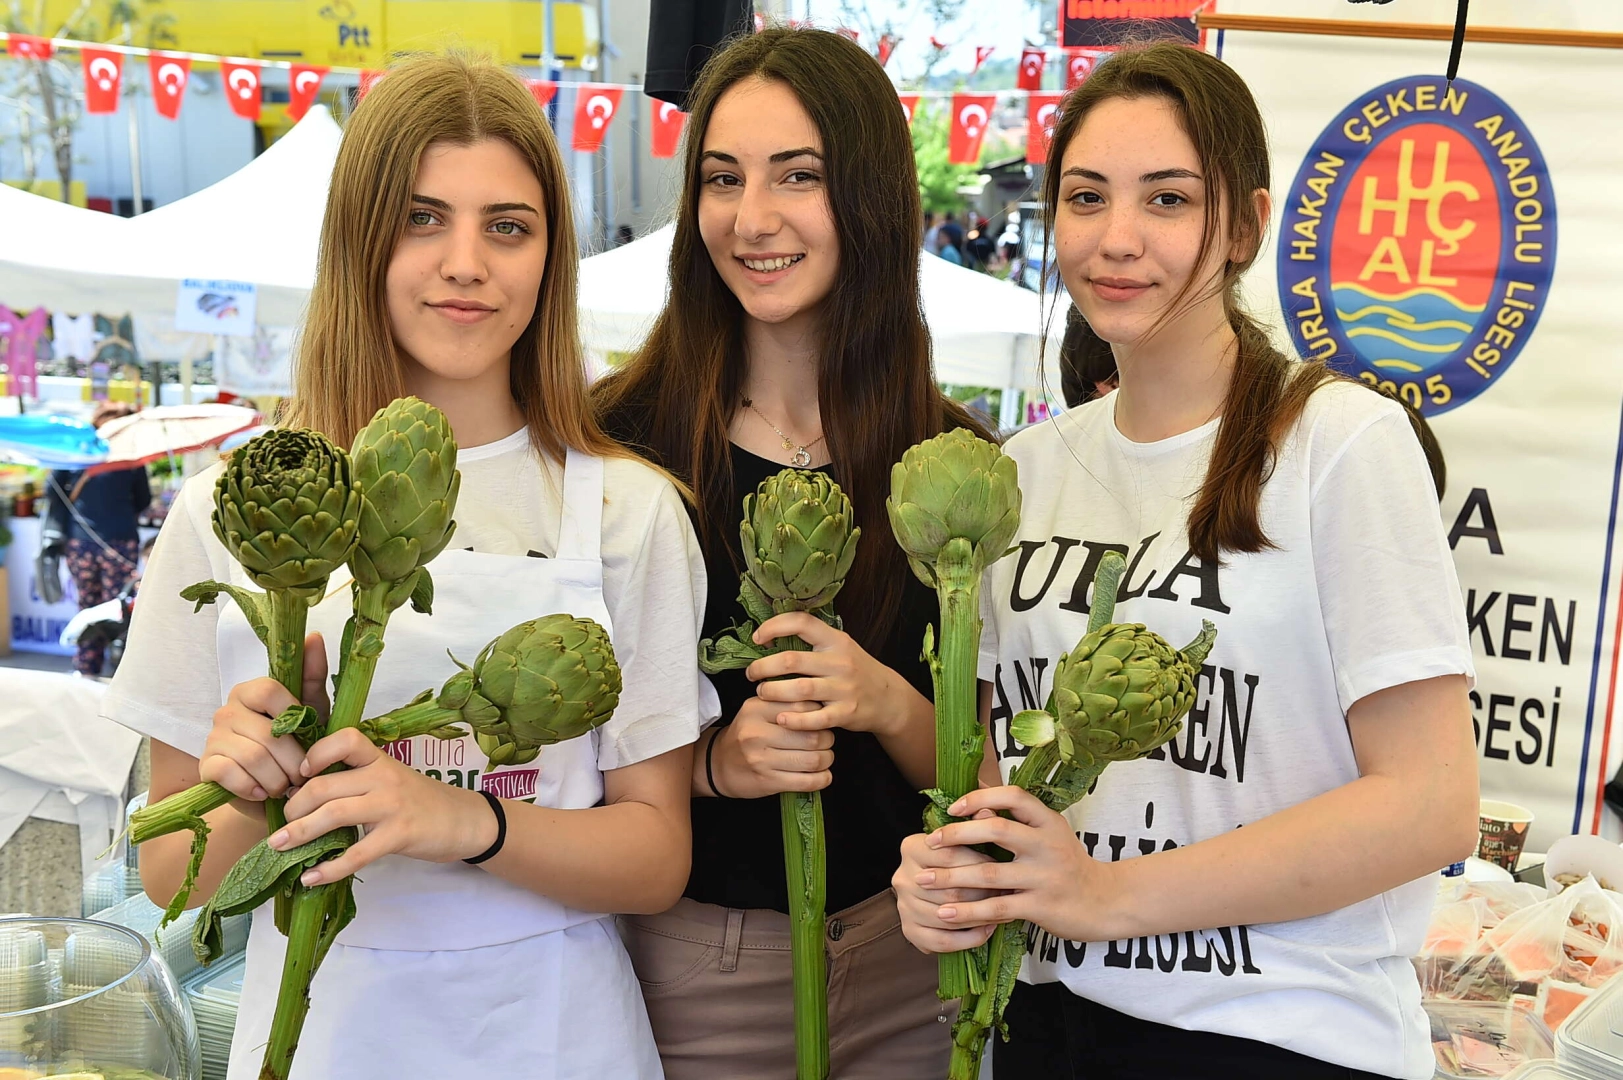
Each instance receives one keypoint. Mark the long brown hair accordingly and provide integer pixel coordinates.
(347, 364)
(875, 385)
(1267, 390)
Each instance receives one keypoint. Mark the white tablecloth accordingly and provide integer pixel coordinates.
(60, 760)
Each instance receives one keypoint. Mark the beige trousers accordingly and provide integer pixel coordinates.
(719, 989)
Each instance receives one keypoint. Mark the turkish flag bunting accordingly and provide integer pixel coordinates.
(103, 69)
(1031, 68)
(303, 84)
(595, 106)
(981, 53)
(369, 79)
(970, 115)
(668, 121)
(887, 45)
(242, 88)
(169, 77)
(1078, 66)
(910, 104)
(29, 47)
(544, 90)
(1042, 110)
(846, 31)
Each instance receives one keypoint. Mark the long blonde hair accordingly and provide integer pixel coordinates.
(347, 363)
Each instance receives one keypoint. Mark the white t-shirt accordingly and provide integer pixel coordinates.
(1359, 595)
(510, 504)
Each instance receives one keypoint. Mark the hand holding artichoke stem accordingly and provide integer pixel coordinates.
(954, 506)
(1118, 695)
(799, 540)
(287, 508)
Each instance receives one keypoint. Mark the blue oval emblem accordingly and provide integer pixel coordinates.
(1418, 241)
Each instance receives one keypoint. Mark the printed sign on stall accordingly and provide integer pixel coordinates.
(216, 307)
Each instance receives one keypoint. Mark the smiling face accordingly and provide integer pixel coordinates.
(465, 273)
(764, 212)
(1132, 212)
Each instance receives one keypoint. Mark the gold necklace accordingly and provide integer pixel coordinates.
(801, 458)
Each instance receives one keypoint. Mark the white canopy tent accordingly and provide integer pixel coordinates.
(985, 332)
(258, 225)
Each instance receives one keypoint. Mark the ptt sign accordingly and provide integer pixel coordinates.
(354, 37)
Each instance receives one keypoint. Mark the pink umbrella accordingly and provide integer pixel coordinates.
(169, 429)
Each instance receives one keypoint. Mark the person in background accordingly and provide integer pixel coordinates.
(979, 248)
(1087, 367)
(90, 520)
(953, 232)
(931, 231)
(946, 249)
(623, 236)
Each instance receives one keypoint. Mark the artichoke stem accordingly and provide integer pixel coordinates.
(285, 646)
(312, 910)
(805, 866)
(361, 663)
(177, 811)
(421, 718)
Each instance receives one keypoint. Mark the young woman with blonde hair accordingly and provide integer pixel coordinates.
(447, 271)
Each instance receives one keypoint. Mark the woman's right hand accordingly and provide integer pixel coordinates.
(241, 754)
(754, 756)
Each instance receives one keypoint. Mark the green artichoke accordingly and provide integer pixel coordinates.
(539, 683)
(799, 536)
(405, 462)
(955, 485)
(287, 508)
(1122, 692)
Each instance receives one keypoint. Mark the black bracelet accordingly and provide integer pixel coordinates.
(709, 768)
(501, 830)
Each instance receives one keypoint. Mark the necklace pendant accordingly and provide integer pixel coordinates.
(802, 457)
(787, 445)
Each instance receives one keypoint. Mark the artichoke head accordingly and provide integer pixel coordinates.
(288, 509)
(954, 486)
(539, 683)
(1122, 692)
(799, 537)
(405, 463)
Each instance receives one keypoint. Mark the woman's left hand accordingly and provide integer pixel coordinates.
(857, 692)
(405, 812)
(1052, 881)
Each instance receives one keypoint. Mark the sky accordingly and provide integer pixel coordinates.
(1003, 24)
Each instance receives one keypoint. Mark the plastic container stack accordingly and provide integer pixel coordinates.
(1481, 1039)
(214, 994)
(1591, 1041)
(174, 942)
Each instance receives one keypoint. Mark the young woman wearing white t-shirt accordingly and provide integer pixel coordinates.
(1243, 901)
(448, 271)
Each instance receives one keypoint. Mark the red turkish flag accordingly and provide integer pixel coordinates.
(1078, 66)
(971, 113)
(543, 90)
(846, 31)
(668, 122)
(303, 84)
(595, 106)
(29, 47)
(1042, 110)
(887, 45)
(981, 53)
(910, 104)
(1031, 68)
(369, 79)
(169, 77)
(103, 72)
(242, 87)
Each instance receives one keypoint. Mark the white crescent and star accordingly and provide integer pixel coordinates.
(306, 79)
(600, 109)
(973, 127)
(172, 76)
(243, 81)
(665, 110)
(1045, 116)
(104, 71)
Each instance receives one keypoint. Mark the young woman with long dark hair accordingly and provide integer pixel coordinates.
(793, 335)
(1243, 901)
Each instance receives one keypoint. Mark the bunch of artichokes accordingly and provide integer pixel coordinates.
(799, 538)
(1118, 695)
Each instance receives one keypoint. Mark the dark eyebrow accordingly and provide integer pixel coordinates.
(778, 158)
(493, 208)
(1147, 178)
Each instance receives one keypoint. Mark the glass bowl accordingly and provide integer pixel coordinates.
(89, 1000)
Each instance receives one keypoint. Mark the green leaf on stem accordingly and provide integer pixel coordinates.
(255, 606)
(259, 875)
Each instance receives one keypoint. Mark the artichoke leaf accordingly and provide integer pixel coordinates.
(256, 877)
(255, 606)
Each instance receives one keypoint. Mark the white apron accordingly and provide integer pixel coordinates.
(448, 970)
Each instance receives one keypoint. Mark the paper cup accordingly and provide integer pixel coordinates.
(1504, 831)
